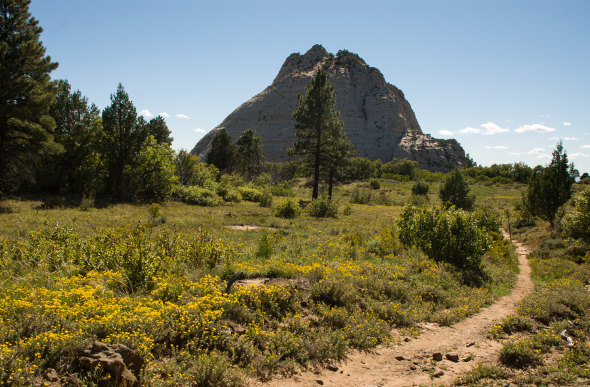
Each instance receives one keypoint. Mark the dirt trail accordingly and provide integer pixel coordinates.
(410, 363)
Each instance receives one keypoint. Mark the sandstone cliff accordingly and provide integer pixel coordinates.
(377, 118)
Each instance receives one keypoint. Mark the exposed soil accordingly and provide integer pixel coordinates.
(246, 227)
(411, 362)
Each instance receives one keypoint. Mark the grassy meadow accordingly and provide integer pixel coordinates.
(160, 280)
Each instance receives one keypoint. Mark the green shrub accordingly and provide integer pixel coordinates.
(519, 354)
(360, 196)
(576, 223)
(374, 184)
(449, 235)
(229, 194)
(488, 219)
(197, 195)
(455, 191)
(289, 209)
(283, 189)
(251, 194)
(347, 210)
(420, 188)
(323, 208)
(265, 247)
(266, 199)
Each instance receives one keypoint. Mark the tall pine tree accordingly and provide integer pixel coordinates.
(250, 148)
(123, 135)
(26, 93)
(317, 127)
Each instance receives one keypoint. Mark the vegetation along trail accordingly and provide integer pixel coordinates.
(411, 362)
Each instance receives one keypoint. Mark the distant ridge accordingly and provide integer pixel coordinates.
(377, 118)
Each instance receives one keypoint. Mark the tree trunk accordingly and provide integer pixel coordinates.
(316, 169)
(330, 182)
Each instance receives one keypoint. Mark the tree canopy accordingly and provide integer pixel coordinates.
(455, 191)
(26, 92)
(321, 140)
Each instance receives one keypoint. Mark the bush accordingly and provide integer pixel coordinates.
(197, 195)
(420, 188)
(448, 235)
(251, 194)
(519, 354)
(289, 209)
(374, 184)
(323, 208)
(576, 223)
(229, 194)
(266, 199)
(360, 196)
(265, 247)
(347, 210)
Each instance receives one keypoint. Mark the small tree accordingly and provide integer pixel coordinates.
(251, 151)
(157, 127)
(550, 188)
(455, 191)
(317, 122)
(223, 153)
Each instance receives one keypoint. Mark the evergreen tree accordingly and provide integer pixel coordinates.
(550, 188)
(157, 127)
(123, 136)
(317, 122)
(251, 151)
(455, 191)
(223, 153)
(26, 92)
(77, 127)
(340, 151)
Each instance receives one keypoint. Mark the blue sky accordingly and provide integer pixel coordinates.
(507, 79)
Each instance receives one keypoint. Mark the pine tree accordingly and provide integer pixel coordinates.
(122, 138)
(26, 92)
(251, 151)
(455, 191)
(317, 122)
(550, 188)
(157, 127)
(223, 153)
(340, 151)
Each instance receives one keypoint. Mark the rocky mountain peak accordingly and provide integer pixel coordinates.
(377, 118)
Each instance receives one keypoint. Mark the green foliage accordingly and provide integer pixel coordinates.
(266, 198)
(374, 184)
(420, 188)
(26, 93)
(549, 188)
(152, 174)
(519, 354)
(251, 151)
(223, 154)
(323, 208)
(192, 172)
(121, 140)
(197, 195)
(455, 191)
(321, 139)
(488, 220)
(403, 167)
(359, 168)
(265, 246)
(576, 223)
(449, 235)
(251, 194)
(360, 196)
(157, 128)
(289, 209)
(229, 193)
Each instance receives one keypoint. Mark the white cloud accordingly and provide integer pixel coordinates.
(488, 147)
(492, 128)
(470, 130)
(500, 147)
(564, 138)
(146, 113)
(180, 115)
(585, 146)
(536, 151)
(577, 155)
(446, 132)
(199, 130)
(567, 123)
(544, 156)
(539, 128)
(164, 114)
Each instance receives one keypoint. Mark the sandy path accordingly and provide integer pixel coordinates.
(410, 363)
